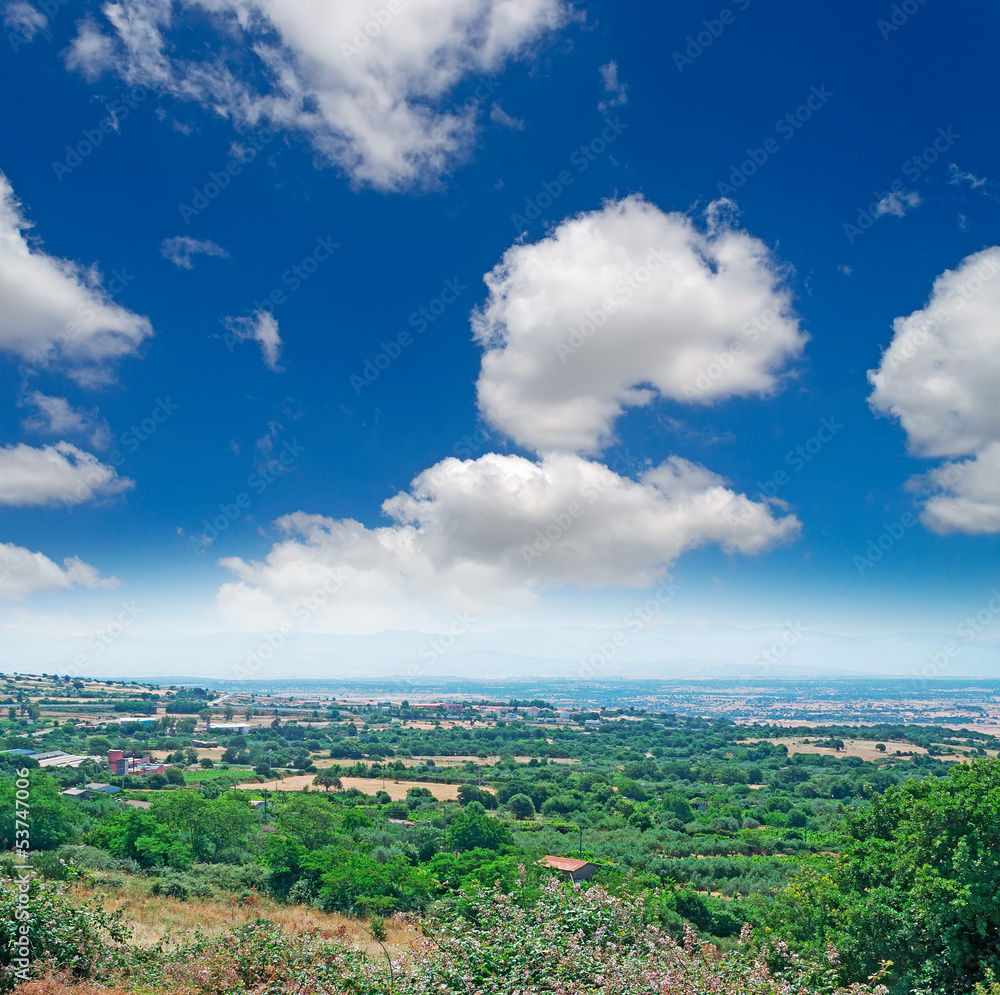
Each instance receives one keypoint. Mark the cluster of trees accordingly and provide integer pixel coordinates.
(679, 811)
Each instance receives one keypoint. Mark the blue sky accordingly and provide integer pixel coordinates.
(254, 210)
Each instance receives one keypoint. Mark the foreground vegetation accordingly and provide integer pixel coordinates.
(725, 863)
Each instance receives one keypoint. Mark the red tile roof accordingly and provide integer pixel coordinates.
(565, 863)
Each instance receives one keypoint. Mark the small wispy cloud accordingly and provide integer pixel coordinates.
(897, 204)
(499, 116)
(612, 84)
(958, 177)
(180, 249)
(23, 19)
(260, 327)
(56, 416)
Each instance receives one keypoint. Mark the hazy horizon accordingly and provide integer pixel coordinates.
(498, 339)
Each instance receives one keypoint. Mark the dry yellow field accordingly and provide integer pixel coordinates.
(863, 748)
(369, 785)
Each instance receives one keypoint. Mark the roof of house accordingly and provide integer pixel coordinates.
(135, 803)
(566, 864)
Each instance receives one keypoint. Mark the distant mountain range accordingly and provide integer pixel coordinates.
(572, 653)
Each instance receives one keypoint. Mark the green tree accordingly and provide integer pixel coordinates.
(917, 885)
(311, 819)
(521, 807)
(50, 818)
(473, 829)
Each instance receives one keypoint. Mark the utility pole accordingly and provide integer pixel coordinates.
(265, 806)
(581, 841)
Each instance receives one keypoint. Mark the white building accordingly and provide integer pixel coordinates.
(234, 727)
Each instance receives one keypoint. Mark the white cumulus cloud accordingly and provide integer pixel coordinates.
(619, 305)
(58, 474)
(54, 310)
(964, 494)
(939, 378)
(492, 533)
(23, 572)
(370, 85)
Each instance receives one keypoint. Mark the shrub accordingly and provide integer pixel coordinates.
(182, 886)
(78, 939)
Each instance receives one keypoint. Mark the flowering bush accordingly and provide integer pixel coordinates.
(77, 940)
(569, 943)
(574, 942)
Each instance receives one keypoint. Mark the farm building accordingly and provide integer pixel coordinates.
(575, 870)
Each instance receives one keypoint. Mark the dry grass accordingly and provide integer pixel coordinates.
(863, 748)
(369, 785)
(157, 917)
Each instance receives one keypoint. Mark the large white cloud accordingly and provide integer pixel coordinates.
(367, 82)
(55, 310)
(491, 533)
(488, 535)
(23, 572)
(58, 474)
(939, 377)
(620, 304)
